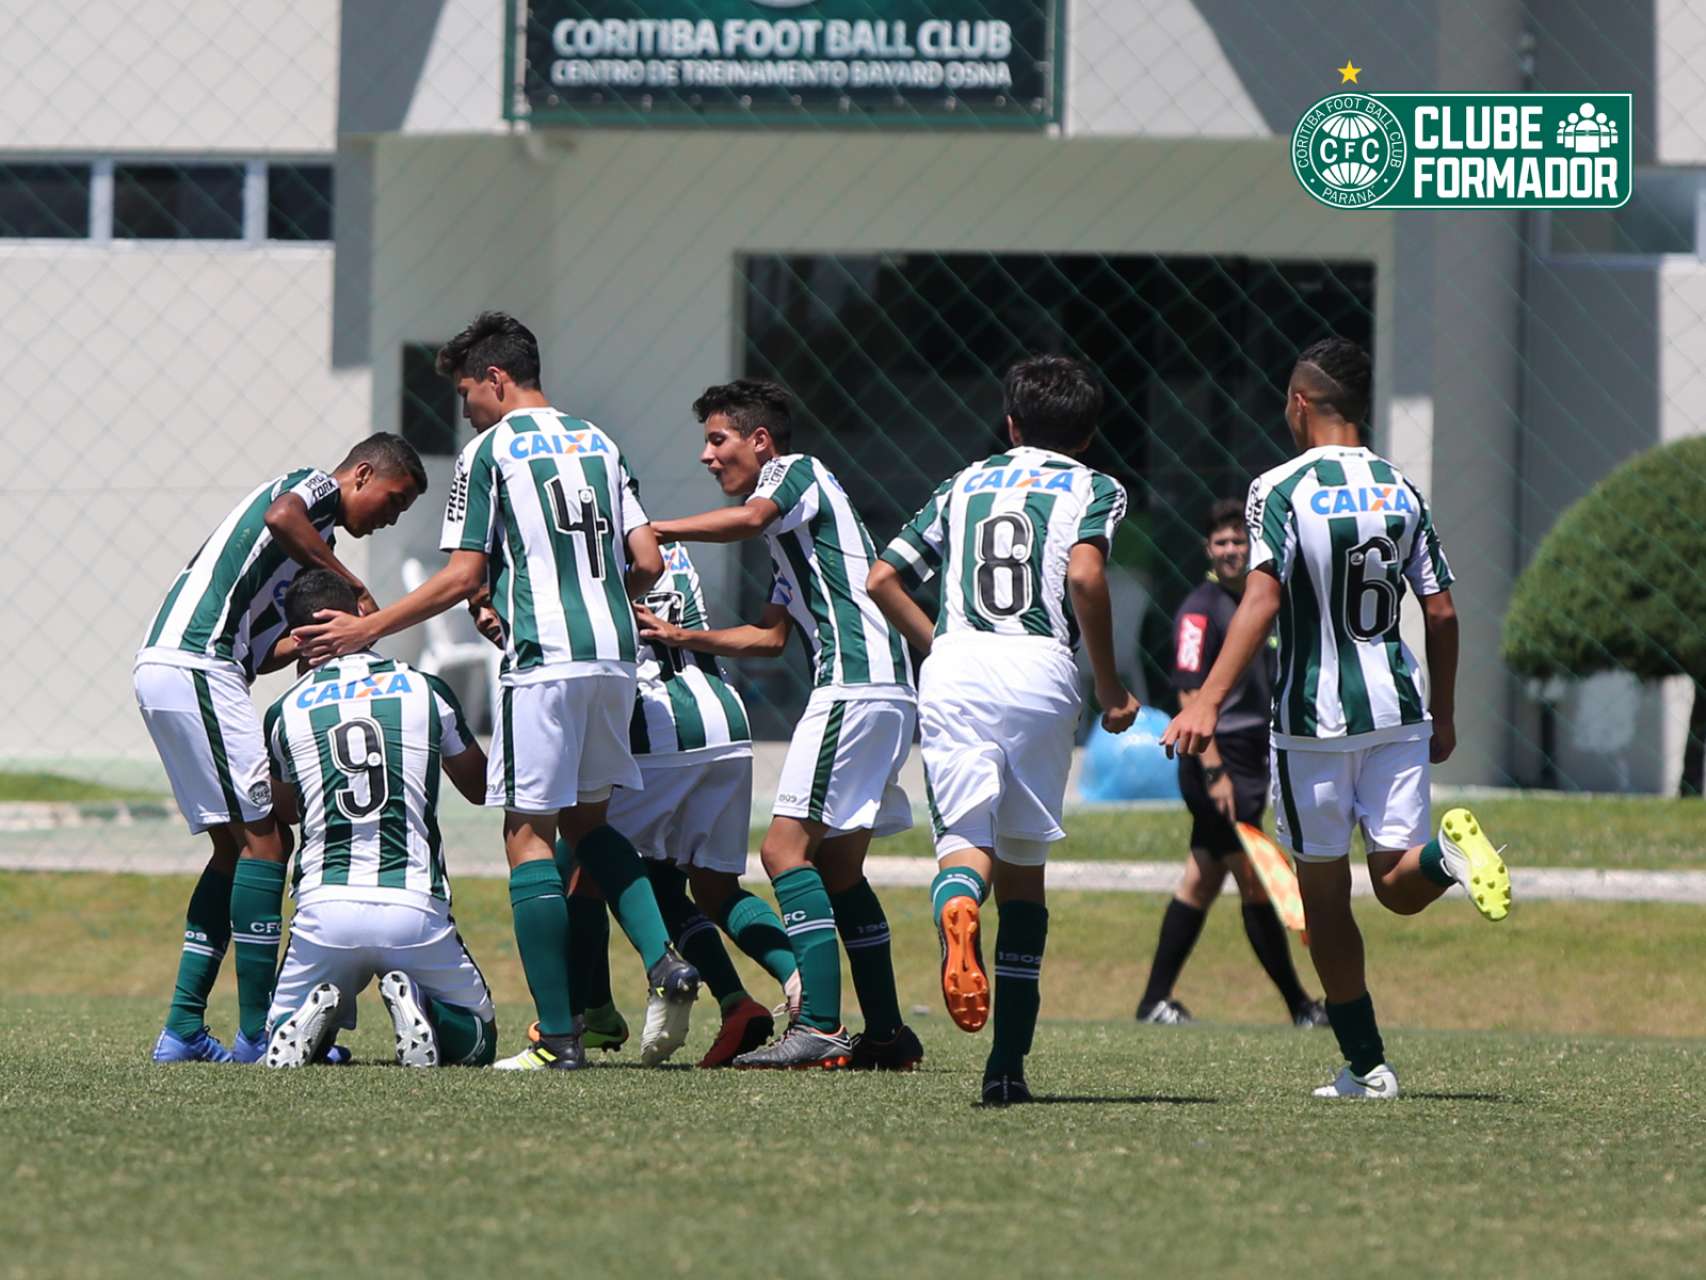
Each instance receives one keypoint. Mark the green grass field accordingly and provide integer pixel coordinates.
(1553, 1123)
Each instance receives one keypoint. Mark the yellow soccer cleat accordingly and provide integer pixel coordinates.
(1473, 862)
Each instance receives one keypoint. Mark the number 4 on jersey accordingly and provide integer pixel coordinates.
(581, 517)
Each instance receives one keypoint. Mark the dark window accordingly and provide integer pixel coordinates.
(299, 202)
(897, 363)
(178, 202)
(46, 200)
(1659, 218)
(429, 401)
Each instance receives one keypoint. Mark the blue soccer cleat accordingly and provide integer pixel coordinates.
(244, 1049)
(201, 1047)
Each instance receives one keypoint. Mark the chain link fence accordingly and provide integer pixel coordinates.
(230, 241)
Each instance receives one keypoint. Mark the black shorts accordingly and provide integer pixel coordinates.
(1245, 757)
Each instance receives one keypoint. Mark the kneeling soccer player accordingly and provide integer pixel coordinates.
(356, 748)
(1021, 540)
(1334, 536)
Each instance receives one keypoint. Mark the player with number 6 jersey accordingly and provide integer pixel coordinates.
(1335, 536)
(1021, 541)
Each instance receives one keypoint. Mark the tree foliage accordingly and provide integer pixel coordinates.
(1619, 584)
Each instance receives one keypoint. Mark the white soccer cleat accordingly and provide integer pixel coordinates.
(417, 1042)
(1473, 862)
(671, 987)
(1382, 1082)
(300, 1037)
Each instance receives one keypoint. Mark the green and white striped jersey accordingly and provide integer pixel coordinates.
(822, 555)
(227, 606)
(547, 497)
(1343, 530)
(360, 739)
(683, 704)
(1001, 532)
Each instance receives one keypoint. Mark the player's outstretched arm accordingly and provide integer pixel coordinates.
(1439, 617)
(1248, 631)
(889, 594)
(645, 561)
(288, 523)
(766, 639)
(467, 772)
(725, 524)
(331, 635)
(1087, 585)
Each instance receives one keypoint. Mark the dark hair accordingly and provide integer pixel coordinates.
(1225, 512)
(1053, 400)
(751, 403)
(1339, 374)
(495, 338)
(389, 455)
(314, 590)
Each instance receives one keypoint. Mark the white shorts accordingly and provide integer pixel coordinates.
(349, 942)
(997, 718)
(204, 726)
(1319, 796)
(694, 815)
(843, 765)
(559, 743)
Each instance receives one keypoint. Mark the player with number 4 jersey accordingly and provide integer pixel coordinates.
(1335, 537)
(1021, 541)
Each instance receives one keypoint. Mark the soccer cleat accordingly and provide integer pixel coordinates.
(1475, 864)
(244, 1049)
(745, 1027)
(604, 1029)
(201, 1047)
(671, 987)
(1005, 1090)
(417, 1042)
(801, 1048)
(965, 985)
(1381, 1082)
(548, 1053)
(300, 1038)
(900, 1052)
(1310, 1014)
(1165, 1013)
(335, 1055)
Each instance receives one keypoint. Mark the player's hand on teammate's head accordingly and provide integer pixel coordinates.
(332, 634)
(1119, 710)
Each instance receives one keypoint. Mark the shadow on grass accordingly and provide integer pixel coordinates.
(1108, 1100)
(1459, 1097)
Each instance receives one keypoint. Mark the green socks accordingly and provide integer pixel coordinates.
(810, 924)
(1359, 1037)
(464, 1038)
(865, 934)
(542, 937)
(257, 901)
(757, 931)
(695, 937)
(207, 930)
(610, 860)
(955, 882)
(1019, 940)
(1433, 864)
(589, 940)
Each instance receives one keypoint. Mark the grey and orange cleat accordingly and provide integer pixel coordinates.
(802, 1048)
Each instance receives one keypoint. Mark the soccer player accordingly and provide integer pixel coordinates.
(541, 504)
(356, 747)
(221, 624)
(1021, 540)
(1335, 534)
(690, 823)
(839, 780)
(1227, 784)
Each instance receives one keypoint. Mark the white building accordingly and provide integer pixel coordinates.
(1157, 222)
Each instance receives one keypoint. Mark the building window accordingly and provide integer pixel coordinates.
(178, 201)
(45, 201)
(429, 402)
(299, 202)
(1662, 217)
